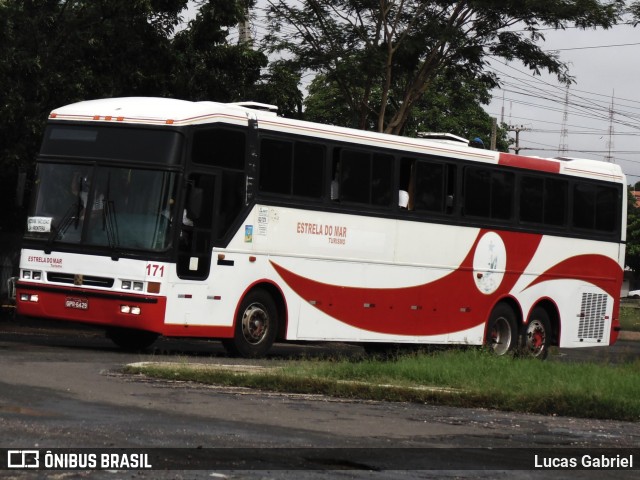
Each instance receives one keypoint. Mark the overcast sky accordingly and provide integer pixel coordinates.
(604, 64)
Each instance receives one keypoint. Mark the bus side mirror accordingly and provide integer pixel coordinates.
(194, 203)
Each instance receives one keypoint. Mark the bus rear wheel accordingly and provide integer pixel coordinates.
(131, 339)
(536, 338)
(502, 330)
(256, 326)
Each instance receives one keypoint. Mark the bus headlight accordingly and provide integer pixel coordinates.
(32, 275)
(131, 285)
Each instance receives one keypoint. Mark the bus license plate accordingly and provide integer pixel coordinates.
(78, 303)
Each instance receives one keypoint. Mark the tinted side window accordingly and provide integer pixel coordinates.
(381, 178)
(543, 201)
(308, 169)
(429, 193)
(276, 159)
(531, 199)
(477, 192)
(488, 193)
(555, 202)
(595, 207)
(502, 184)
(219, 147)
(288, 168)
(355, 176)
(364, 177)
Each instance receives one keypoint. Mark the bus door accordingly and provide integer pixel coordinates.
(198, 224)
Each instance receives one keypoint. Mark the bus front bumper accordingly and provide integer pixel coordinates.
(95, 307)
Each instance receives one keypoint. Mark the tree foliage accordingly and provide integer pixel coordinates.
(395, 49)
(55, 52)
(632, 259)
(452, 105)
(207, 66)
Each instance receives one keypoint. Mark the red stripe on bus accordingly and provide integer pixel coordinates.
(530, 163)
(450, 304)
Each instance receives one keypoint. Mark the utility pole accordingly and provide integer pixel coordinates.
(494, 133)
(244, 29)
(517, 129)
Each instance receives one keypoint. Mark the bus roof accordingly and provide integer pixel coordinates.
(168, 111)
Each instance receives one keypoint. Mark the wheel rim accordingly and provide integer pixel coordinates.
(536, 338)
(255, 324)
(500, 336)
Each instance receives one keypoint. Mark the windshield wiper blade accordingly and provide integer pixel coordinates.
(110, 224)
(65, 222)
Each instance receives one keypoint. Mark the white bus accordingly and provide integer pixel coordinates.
(155, 216)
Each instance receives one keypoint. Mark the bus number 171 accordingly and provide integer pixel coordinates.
(155, 270)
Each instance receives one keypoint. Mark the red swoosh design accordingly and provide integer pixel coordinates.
(595, 269)
(450, 304)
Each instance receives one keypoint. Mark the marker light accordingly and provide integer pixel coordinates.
(130, 310)
(27, 297)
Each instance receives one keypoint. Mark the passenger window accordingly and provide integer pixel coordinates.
(291, 168)
(429, 193)
(276, 159)
(308, 169)
(219, 147)
(355, 176)
(488, 193)
(363, 178)
(594, 207)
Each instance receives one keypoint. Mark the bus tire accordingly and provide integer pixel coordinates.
(502, 330)
(131, 339)
(256, 326)
(536, 337)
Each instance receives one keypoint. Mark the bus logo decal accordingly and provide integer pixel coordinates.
(489, 263)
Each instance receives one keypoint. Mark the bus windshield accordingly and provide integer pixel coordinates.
(118, 207)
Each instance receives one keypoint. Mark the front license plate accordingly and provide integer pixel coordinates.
(78, 303)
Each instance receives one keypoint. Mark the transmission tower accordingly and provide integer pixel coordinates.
(609, 156)
(563, 146)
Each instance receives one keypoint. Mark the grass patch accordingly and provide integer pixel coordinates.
(471, 378)
(630, 316)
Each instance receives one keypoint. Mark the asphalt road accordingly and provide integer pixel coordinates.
(61, 388)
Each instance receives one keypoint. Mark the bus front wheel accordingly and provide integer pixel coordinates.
(536, 338)
(256, 326)
(502, 330)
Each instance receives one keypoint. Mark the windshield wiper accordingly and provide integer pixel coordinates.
(65, 222)
(110, 224)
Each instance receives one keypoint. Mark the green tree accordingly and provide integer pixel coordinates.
(280, 85)
(208, 67)
(452, 105)
(55, 52)
(632, 259)
(395, 49)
